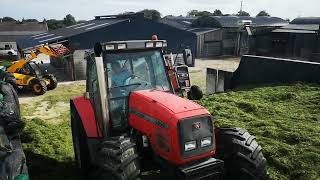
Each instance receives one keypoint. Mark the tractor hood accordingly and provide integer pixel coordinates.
(155, 102)
(172, 102)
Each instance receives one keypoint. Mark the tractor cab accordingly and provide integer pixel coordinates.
(128, 67)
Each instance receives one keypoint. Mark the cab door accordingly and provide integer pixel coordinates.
(93, 90)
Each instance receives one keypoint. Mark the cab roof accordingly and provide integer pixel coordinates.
(134, 44)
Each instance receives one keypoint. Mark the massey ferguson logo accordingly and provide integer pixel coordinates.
(196, 125)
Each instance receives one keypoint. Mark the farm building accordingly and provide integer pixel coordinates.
(84, 35)
(236, 30)
(299, 40)
(208, 40)
(10, 32)
(227, 35)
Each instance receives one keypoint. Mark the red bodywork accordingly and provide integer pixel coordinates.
(169, 109)
(87, 115)
(165, 108)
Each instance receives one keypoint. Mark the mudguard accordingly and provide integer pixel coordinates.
(85, 111)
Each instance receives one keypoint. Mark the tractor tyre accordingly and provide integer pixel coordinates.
(39, 87)
(53, 82)
(80, 144)
(118, 159)
(242, 156)
(195, 93)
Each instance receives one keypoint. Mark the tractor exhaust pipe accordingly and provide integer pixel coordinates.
(103, 95)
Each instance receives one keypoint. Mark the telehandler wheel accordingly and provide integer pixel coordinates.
(118, 159)
(39, 87)
(195, 93)
(53, 82)
(241, 154)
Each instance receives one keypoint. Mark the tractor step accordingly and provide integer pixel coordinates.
(209, 169)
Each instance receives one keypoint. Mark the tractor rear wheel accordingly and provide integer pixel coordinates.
(80, 144)
(241, 153)
(53, 82)
(118, 159)
(39, 87)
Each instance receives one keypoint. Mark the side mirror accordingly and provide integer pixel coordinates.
(41, 62)
(188, 58)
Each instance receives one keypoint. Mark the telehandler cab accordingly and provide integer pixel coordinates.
(131, 118)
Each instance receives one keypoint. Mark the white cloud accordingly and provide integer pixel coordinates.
(86, 9)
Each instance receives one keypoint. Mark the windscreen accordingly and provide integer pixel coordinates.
(132, 71)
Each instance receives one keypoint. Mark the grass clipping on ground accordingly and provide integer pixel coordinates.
(285, 120)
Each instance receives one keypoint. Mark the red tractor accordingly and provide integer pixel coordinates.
(131, 119)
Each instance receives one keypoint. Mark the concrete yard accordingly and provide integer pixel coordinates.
(198, 73)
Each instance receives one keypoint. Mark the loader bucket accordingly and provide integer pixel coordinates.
(260, 70)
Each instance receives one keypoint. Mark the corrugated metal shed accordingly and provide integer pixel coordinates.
(179, 22)
(185, 23)
(235, 21)
(64, 33)
(306, 20)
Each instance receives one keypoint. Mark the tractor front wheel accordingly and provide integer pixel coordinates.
(39, 87)
(53, 82)
(241, 154)
(195, 93)
(118, 159)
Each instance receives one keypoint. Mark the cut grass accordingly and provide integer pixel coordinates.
(285, 120)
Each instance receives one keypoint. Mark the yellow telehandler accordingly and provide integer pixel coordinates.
(30, 76)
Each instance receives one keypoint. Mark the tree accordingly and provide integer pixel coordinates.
(193, 13)
(8, 19)
(55, 24)
(151, 14)
(243, 13)
(199, 13)
(263, 13)
(29, 20)
(69, 20)
(217, 12)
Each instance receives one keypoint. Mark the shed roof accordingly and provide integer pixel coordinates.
(185, 23)
(65, 33)
(179, 22)
(306, 20)
(235, 21)
(293, 31)
(27, 27)
(308, 27)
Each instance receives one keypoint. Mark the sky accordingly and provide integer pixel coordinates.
(87, 9)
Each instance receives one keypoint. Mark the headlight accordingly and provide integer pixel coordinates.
(206, 142)
(159, 44)
(149, 45)
(122, 46)
(190, 145)
(110, 47)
